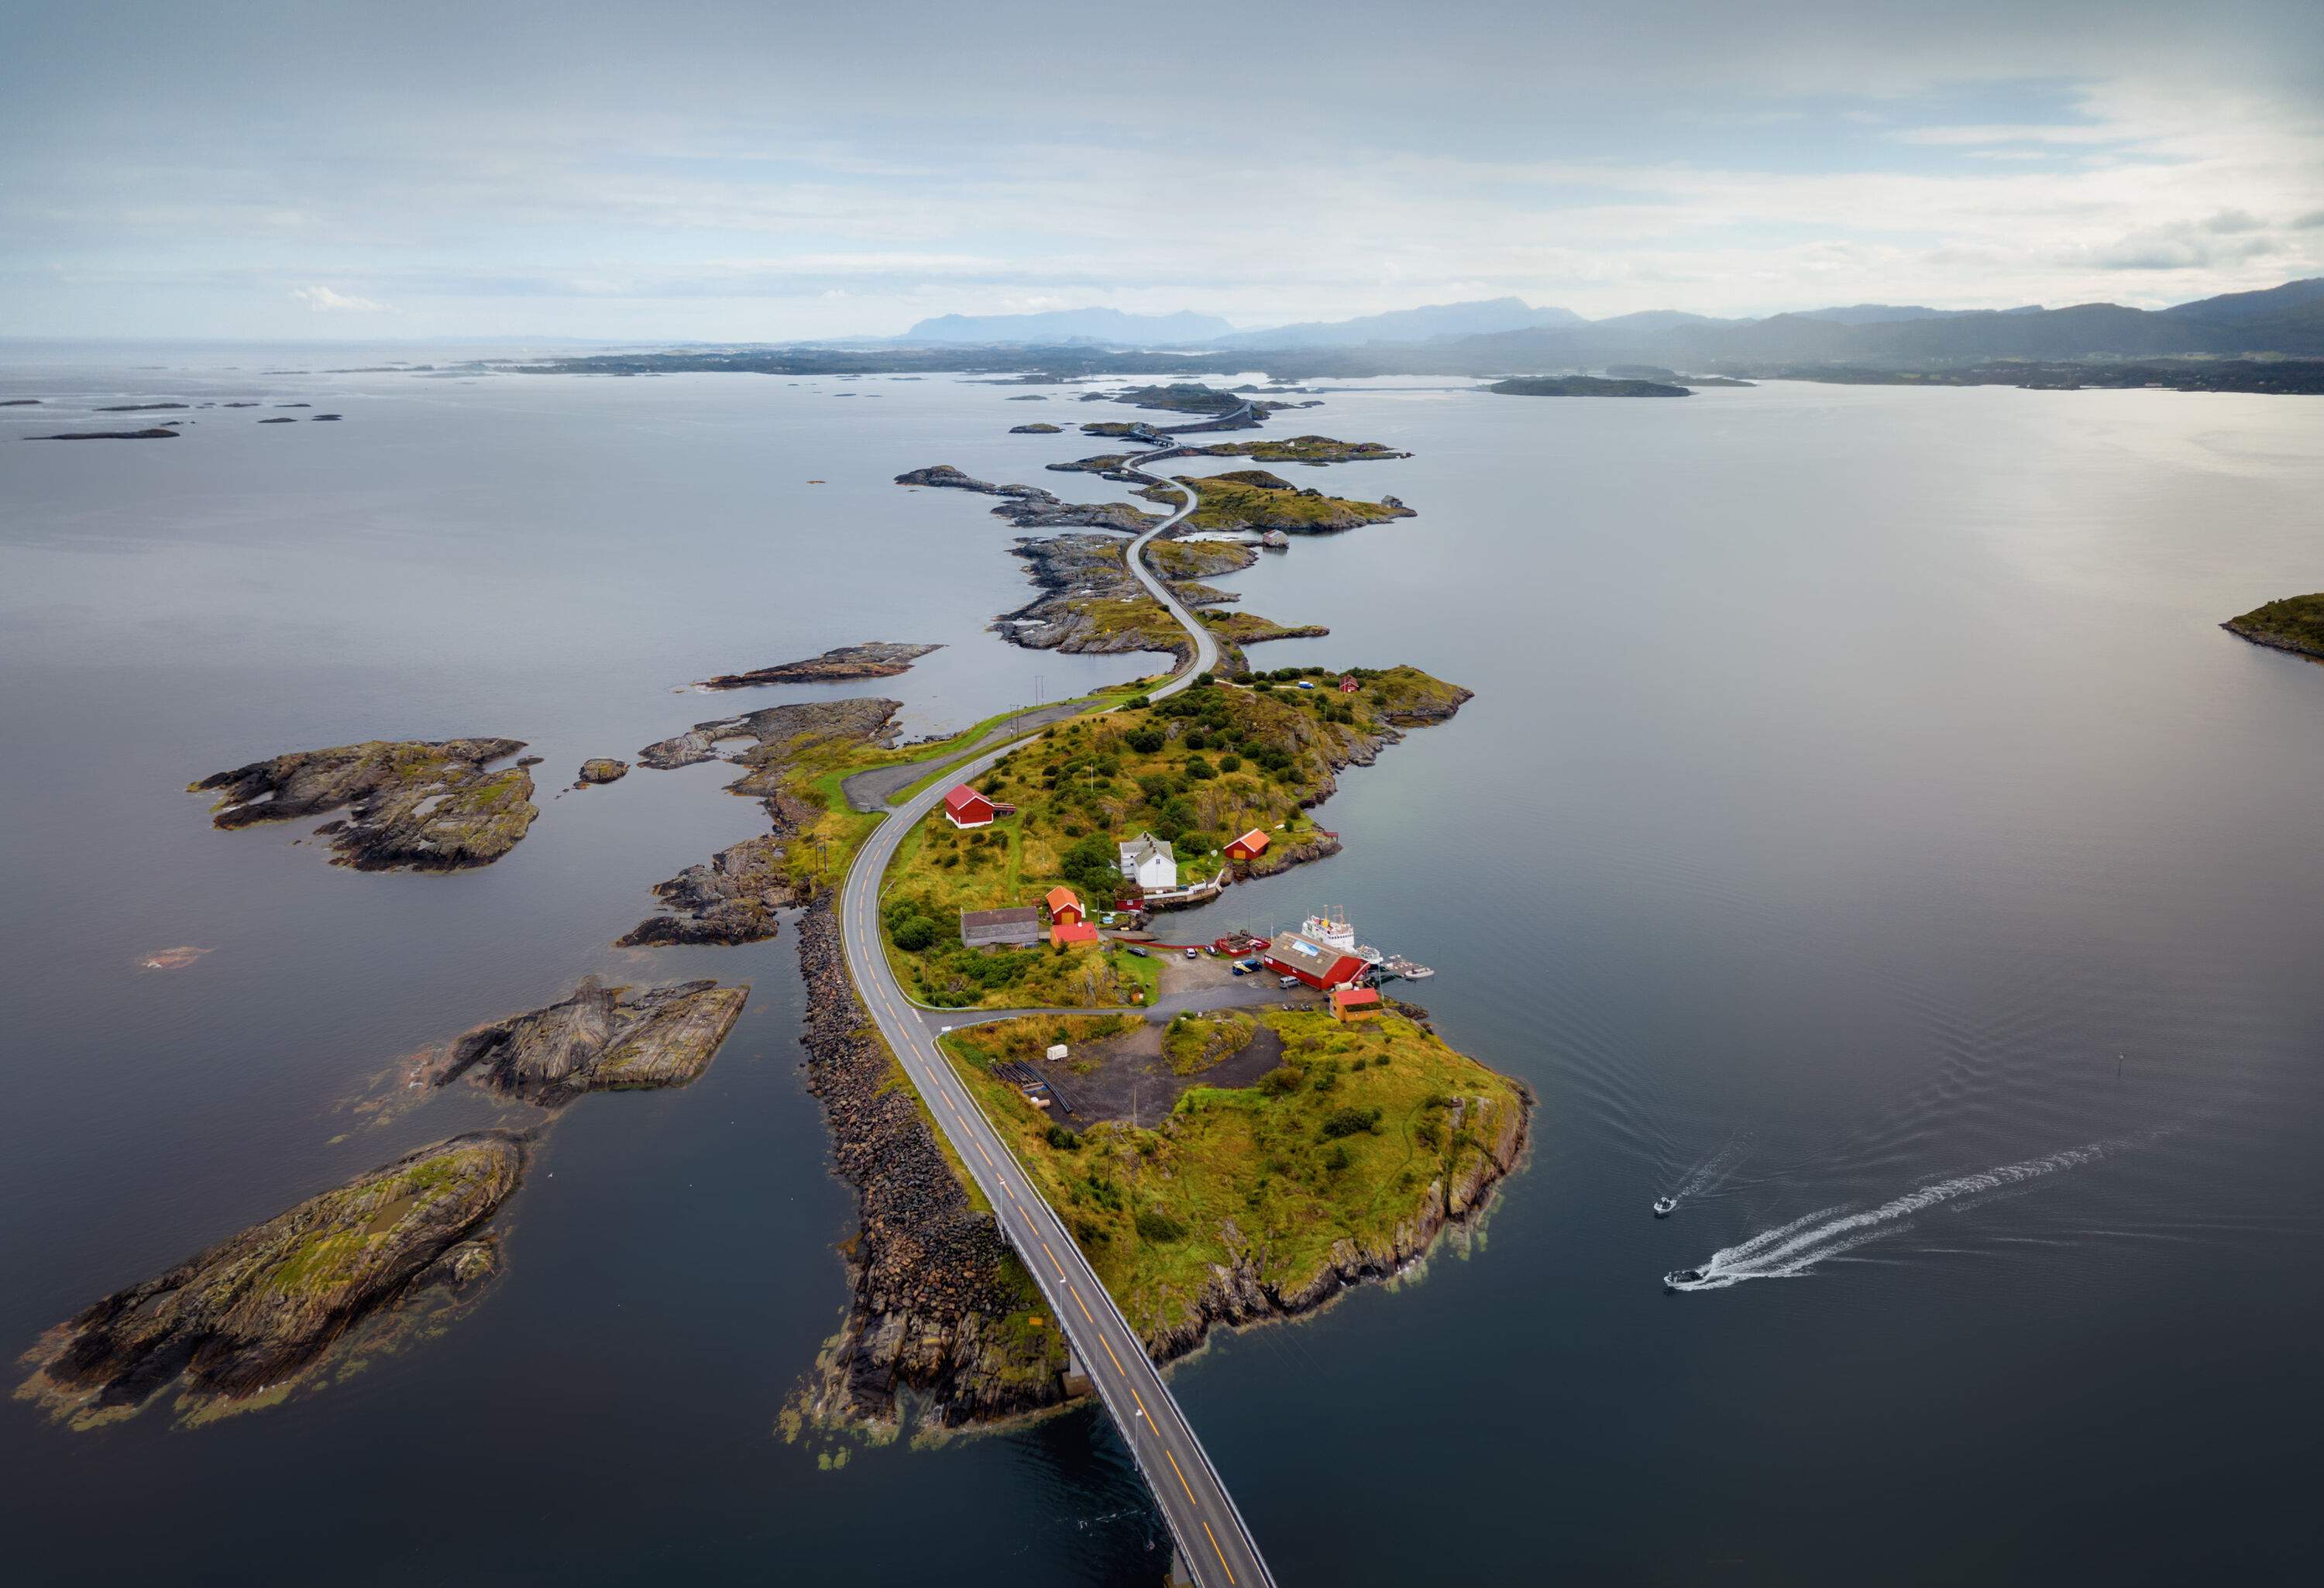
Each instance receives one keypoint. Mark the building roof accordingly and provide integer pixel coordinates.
(1138, 851)
(1349, 997)
(1254, 840)
(1078, 932)
(1016, 915)
(1058, 899)
(1292, 948)
(960, 797)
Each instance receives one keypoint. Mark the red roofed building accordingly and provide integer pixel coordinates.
(1074, 932)
(1355, 1004)
(1065, 908)
(1347, 686)
(963, 807)
(1319, 964)
(1250, 846)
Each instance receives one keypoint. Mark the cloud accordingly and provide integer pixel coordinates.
(325, 300)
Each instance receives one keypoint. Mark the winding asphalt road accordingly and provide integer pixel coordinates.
(1214, 1546)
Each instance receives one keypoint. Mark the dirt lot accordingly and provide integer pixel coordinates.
(1130, 1071)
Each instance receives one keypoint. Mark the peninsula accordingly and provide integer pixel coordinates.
(2295, 623)
(878, 659)
(1583, 386)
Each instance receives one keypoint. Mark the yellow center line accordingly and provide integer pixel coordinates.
(1101, 1340)
(1053, 1258)
(1142, 1403)
(1181, 1476)
(1077, 1295)
(1220, 1553)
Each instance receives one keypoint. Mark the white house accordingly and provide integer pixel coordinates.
(1149, 863)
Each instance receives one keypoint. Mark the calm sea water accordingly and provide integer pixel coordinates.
(1859, 798)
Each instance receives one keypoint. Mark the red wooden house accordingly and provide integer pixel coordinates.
(1250, 846)
(1318, 964)
(963, 807)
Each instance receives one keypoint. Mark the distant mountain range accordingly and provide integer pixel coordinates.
(1063, 326)
(1410, 325)
(1502, 335)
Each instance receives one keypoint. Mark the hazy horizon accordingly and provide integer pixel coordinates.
(723, 173)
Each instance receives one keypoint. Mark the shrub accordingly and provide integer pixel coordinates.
(1145, 741)
(1281, 1081)
(1229, 764)
(1197, 740)
(1137, 703)
(1199, 770)
(1154, 1225)
(915, 933)
(1337, 1159)
(1350, 1121)
(1063, 1139)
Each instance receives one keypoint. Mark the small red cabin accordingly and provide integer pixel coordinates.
(963, 807)
(1250, 846)
(1355, 1004)
(1065, 908)
(1347, 686)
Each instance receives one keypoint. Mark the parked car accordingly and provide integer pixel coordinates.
(1248, 964)
(1240, 971)
(1287, 981)
(1194, 954)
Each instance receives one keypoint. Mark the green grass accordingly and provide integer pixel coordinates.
(1195, 1043)
(1343, 1146)
(1304, 449)
(2296, 622)
(1253, 499)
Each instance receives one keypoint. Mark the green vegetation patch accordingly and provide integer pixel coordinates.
(1195, 1043)
(1254, 499)
(2294, 623)
(1312, 449)
(1196, 769)
(1359, 1136)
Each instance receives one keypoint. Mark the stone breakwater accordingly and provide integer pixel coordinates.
(932, 1286)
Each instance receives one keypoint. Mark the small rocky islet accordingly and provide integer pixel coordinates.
(876, 659)
(413, 805)
(241, 1322)
(601, 1039)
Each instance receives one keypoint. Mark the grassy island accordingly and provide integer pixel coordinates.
(1313, 450)
(1343, 1161)
(2295, 623)
(1254, 499)
(1196, 770)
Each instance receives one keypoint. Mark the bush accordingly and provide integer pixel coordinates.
(1198, 740)
(1351, 1121)
(1336, 1158)
(1063, 1139)
(1137, 703)
(1229, 764)
(1196, 843)
(915, 933)
(1281, 1081)
(1154, 1225)
(1199, 770)
(1145, 741)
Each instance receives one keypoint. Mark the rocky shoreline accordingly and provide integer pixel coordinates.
(735, 896)
(242, 1323)
(931, 1284)
(600, 1039)
(413, 805)
(1237, 1297)
(2294, 625)
(846, 664)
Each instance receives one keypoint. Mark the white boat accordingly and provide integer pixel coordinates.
(1664, 1206)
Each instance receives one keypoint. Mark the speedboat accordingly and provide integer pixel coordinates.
(1664, 1206)
(1679, 1278)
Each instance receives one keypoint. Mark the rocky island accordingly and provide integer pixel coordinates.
(244, 1322)
(600, 1039)
(1311, 450)
(601, 769)
(2295, 623)
(417, 804)
(877, 659)
(157, 433)
(1583, 386)
(1034, 429)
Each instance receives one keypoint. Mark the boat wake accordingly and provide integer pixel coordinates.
(1792, 1249)
(1706, 1175)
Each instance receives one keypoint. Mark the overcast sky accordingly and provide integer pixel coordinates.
(764, 170)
